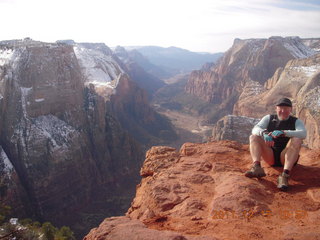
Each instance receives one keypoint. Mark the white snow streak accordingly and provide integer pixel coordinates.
(56, 130)
(5, 56)
(8, 167)
(299, 50)
(24, 94)
(39, 100)
(308, 70)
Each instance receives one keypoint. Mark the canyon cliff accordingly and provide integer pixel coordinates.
(65, 139)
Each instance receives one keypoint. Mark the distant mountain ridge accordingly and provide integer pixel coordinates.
(173, 60)
(141, 70)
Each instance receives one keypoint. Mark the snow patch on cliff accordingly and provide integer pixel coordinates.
(252, 88)
(308, 70)
(56, 130)
(7, 166)
(24, 94)
(39, 100)
(298, 50)
(5, 56)
(99, 68)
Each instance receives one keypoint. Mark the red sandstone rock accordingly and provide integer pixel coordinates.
(203, 192)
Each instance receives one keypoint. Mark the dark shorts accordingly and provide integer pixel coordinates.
(277, 158)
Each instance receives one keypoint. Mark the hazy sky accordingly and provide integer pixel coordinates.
(196, 25)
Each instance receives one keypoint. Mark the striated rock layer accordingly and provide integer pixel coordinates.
(200, 192)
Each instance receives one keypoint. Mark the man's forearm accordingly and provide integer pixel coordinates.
(300, 131)
(261, 126)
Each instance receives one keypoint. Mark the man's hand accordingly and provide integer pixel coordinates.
(268, 139)
(277, 133)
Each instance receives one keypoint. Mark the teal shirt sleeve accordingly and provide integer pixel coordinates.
(300, 131)
(261, 126)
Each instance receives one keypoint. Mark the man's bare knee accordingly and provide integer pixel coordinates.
(254, 138)
(295, 143)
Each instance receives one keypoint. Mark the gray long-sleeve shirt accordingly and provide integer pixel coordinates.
(261, 126)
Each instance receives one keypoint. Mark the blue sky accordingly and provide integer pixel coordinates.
(197, 25)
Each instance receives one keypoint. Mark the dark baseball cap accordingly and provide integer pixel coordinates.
(284, 102)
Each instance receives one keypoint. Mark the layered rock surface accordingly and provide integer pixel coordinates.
(200, 192)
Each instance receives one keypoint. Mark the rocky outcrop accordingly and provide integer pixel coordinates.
(299, 80)
(236, 128)
(200, 192)
(62, 130)
(247, 61)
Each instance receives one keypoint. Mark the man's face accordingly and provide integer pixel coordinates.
(283, 112)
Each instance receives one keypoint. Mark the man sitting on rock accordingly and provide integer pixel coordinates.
(277, 139)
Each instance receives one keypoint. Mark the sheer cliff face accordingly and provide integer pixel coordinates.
(247, 60)
(41, 118)
(62, 141)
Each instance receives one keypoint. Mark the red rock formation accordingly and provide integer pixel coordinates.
(248, 62)
(200, 192)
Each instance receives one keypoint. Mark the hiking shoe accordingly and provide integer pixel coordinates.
(256, 171)
(283, 181)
